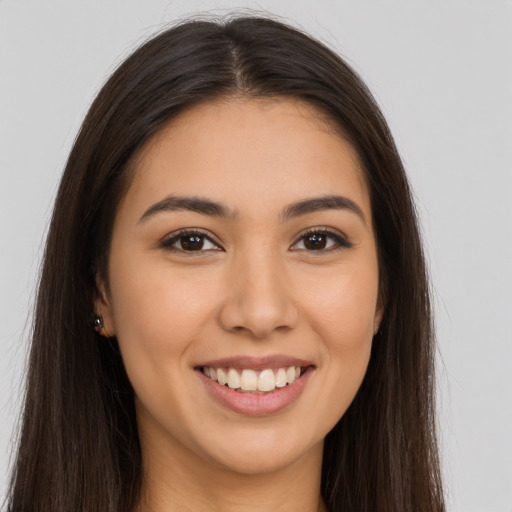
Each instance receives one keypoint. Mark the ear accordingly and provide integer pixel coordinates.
(103, 308)
(379, 312)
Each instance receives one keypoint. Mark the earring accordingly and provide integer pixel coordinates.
(98, 325)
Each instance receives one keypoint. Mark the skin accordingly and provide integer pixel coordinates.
(254, 289)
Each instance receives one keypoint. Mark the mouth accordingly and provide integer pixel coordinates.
(256, 386)
(247, 380)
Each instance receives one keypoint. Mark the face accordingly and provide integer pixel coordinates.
(243, 252)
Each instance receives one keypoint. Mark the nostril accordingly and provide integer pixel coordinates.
(257, 320)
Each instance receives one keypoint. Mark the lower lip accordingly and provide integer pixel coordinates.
(257, 405)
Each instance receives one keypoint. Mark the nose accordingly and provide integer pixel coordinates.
(259, 300)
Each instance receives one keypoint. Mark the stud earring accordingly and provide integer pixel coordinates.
(98, 323)
(98, 326)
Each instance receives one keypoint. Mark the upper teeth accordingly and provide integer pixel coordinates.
(251, 380)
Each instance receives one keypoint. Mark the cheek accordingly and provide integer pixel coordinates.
(342, 307)
(157, 314)
(341, 312)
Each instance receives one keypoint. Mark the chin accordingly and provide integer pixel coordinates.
(265, 453)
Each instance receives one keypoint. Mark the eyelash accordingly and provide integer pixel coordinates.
(340, 242)
(168, 243)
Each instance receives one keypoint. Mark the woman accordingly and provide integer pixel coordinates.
(233, 311)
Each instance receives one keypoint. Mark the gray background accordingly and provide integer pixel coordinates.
(442, 72)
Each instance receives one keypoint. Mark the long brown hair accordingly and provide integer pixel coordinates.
(78, 446)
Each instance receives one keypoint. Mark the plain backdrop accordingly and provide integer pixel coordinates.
(442, 73)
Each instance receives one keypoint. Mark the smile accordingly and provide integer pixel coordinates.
(256, 386)
(248, 380)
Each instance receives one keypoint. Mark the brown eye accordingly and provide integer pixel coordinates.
(191, 242)
(321, 240)
(315, 242)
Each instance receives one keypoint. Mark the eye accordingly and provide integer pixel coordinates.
(189, 241)
(320, 240)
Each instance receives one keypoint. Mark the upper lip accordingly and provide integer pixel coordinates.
(255, 363)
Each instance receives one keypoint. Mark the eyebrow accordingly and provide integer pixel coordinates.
(332, 202)
(214, 209)
(191, 204)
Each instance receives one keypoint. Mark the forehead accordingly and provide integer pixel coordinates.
(249, 153)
